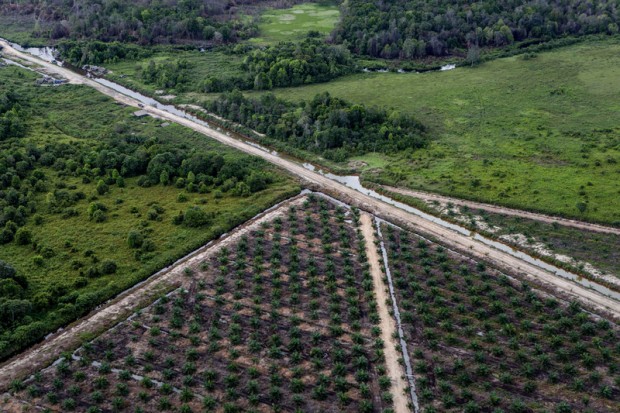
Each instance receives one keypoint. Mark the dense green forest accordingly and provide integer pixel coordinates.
(95, 52)
(414, 29)
(281, 65)
(395, 29)
(141, 21)
(325, 125)
(89, 207)
(292, 64)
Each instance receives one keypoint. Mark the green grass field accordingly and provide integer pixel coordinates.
(71, 245)
(202, 65)
(282, 25)
(539, 133)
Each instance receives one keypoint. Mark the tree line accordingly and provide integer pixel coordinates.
(96, 52)
(329, 126)
(282, 65)
(26, 172)
(142, 21)
(408, 29)
(293, 64)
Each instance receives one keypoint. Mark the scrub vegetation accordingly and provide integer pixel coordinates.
(600, 250)
(328, 126)
(94, 199)
(509, 132)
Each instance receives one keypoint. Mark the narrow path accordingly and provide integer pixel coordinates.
(427, 196)
(476, 248)
(128, 302)
(388, 326)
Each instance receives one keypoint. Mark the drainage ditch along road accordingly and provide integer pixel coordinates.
(550, 277)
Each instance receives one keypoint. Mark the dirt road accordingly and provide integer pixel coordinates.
(388, 325)
(426, 196)
(452, 239)
(128, 302)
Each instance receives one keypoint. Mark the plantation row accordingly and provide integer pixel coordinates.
(483, 342)
(283, 320)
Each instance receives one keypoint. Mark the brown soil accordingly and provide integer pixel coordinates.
(128, 302)
(388, 325)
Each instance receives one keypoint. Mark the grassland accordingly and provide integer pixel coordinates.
(66, 245)
(510, 131)
(282, 25)
(484, 342)
(283, 319)
(538, 133)
(211, 63)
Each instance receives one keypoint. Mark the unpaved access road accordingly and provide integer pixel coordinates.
(496, 209)
(395, 370)
(450, 238)
(128, 302)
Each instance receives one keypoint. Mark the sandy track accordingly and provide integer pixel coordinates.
(426, 196)
(126, 303)
(395, 370)
(450, 238)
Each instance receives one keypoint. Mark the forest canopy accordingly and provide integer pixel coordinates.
(140, 21)
(409, 29)
(326, 125)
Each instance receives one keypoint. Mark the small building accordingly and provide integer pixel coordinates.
(140, 113)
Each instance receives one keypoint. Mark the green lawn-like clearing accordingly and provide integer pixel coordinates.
(539, 133)
(293, 24)
(202, 65)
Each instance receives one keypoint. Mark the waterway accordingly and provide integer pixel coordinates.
(352, 181)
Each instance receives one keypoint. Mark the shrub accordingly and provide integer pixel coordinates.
(6, 236)
(134, 239)
(23, 236)
(6, 270)
(148, 246)
(102, 188)
(196, 217)
(108, 266)
(99, 216)
(38, 260)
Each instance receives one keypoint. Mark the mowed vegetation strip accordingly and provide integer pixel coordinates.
(284, 318)
(95, 199)
(482, 341)
(510, 131)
